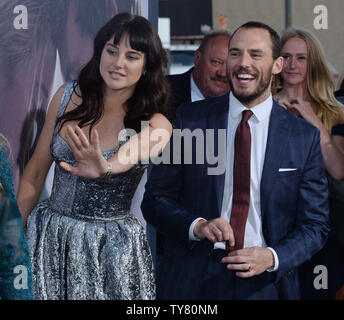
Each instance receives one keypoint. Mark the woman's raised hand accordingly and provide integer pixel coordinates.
(90, 161)
(287, 105)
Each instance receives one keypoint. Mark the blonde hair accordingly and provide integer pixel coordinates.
(3, 140)
(4, 143)
(320, 86)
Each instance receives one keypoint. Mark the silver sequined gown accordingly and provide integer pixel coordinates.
(84, 244)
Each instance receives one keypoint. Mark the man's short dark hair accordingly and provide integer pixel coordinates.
(275, 39)
(211, 35)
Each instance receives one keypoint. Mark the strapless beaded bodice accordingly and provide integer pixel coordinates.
(91, 199)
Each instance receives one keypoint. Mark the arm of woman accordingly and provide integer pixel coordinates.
(333, 155)
(149, 143)
(36, 170)
(332, 147)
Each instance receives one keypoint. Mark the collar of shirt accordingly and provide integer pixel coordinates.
(196, 94)
(261, 111)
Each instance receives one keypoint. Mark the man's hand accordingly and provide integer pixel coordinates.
(215, 230)
(249, 261)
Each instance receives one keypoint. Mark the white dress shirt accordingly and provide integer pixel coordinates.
(196, 94)
(259, 126)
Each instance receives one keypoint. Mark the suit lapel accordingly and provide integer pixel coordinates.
(219, 120)
(185, 87)
(277, 140)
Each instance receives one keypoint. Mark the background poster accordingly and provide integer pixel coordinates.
(42, 45)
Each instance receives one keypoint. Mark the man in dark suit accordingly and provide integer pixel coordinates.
(208, 78)
(271, 215)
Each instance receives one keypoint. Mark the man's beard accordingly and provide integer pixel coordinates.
(263, 84)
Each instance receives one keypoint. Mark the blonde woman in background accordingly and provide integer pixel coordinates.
(15, 266)
(307, 91)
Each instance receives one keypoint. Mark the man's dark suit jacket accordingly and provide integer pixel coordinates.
(339, 94)
(294, 204)
(180, 94)
(180, 88)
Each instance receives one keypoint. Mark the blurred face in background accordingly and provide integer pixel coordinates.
(294, 53)
(210, 68)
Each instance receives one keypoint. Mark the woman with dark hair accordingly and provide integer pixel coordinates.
(31, 59)
(15, 265)
(84, 243)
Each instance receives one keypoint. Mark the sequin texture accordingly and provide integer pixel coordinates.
(84, 244)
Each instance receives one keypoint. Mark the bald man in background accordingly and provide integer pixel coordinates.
(207, 79)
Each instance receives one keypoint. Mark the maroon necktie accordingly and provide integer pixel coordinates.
(241, 181)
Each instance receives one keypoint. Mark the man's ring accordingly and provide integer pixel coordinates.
(249, 266)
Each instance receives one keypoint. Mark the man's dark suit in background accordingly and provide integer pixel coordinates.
(180, 88)
(209, 73)
(209, 80)
(339, 94)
